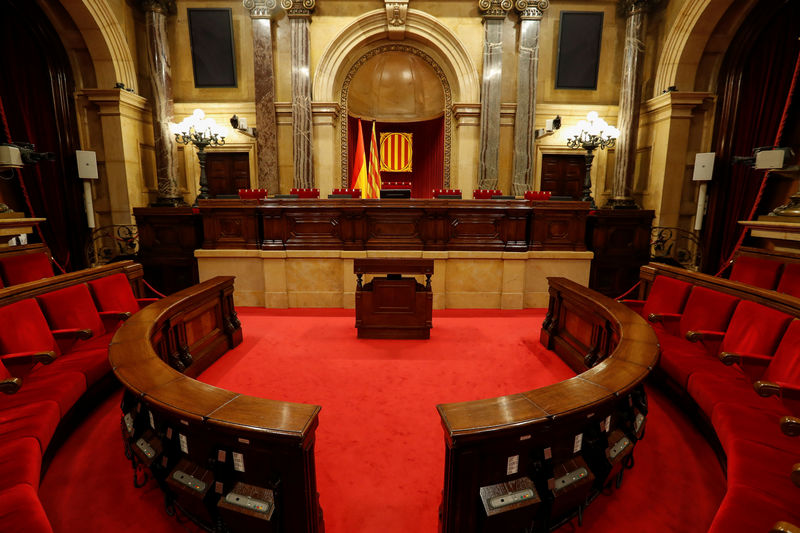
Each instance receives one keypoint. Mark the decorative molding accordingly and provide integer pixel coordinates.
(531, 9)
(260, 9)
(448, 103)
(298, 8)
(396, 12)
(167, 7)
(494, 9)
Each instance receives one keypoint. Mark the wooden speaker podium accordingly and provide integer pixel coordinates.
(393, 307)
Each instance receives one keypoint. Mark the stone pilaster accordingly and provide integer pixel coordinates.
(299, 13)
(158, 61)
(267, 130)
(530, 17)
(493, 13)
(630, 94)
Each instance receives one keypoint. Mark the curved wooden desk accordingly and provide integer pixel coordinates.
(229, 441)
(535, 439)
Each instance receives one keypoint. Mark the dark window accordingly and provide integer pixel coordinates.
(211, 38)
(579, 49)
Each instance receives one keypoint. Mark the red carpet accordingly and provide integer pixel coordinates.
(380, 444)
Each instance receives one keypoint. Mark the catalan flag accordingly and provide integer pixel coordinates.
(359, 178)
(374, 175)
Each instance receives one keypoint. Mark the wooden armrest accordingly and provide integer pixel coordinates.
(660, 318)
(10, 385)
(729, 359)
(795, 475)
(790, 425)
(633, 304)
(779, 389)
(29, 357)
(119, 315)
(72, 333)
(784, 527)
(704, 335)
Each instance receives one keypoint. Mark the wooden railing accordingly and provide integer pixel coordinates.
(231, 442)
(534, 439)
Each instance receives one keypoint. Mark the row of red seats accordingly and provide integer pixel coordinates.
(305, 193)
(767, 274)
(354, 193)
(53, 349)
(446, 192)
(740, 363)
(252, 194)
(21, 268)
(396, 185)
(538, 195)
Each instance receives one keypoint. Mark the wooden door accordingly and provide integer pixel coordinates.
(563, 175)
(227, 172)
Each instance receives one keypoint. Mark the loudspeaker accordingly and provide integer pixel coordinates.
(87, 164)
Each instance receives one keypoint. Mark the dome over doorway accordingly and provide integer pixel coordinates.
(396, 86)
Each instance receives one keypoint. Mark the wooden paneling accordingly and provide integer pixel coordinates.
(563, 175)
(227, 172)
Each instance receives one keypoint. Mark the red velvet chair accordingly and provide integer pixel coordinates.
(756, 271)
(20, 462)
(72, 309)
(23, 268)
(756, 423)
(790, 280)
(667, 296)
(114, 297)
(747, 510)
(25, 338)
(21, 511)
(37, 419)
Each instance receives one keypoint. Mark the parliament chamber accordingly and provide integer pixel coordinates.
(467, 266)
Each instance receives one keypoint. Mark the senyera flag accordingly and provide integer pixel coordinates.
(374, 176)
(396, 152)
(359, 178)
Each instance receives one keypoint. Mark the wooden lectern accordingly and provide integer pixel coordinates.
(393, 307)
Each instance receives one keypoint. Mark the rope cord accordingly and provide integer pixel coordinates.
(160, 295)
(629, 291)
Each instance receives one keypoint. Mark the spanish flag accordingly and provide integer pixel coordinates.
(359, 179)
(374, 167)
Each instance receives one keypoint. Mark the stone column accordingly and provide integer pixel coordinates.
(155, 14)
(267, 129)
(299, 13)
(493, 13)
(530, 18)
(630, 95)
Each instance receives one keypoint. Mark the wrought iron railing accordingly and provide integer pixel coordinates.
(676, 246)
(112, 243)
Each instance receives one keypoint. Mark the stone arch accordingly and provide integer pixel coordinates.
(422, 30)
(688, 38)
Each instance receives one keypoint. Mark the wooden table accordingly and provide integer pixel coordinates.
(393, 307)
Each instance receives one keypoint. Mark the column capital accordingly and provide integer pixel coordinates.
(531, 9)
(260, 9)
(494, 9)
(167, 7)
(298, 8)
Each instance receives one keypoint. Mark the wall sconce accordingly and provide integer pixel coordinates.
(591, 134)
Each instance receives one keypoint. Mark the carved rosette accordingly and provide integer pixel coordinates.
(298, 8)
(260, 9)
(495, 9)
(531, 9)
(166, 7)
(396, 11)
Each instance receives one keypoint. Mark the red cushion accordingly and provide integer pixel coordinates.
(747, 510)
(790, 280)
(667, 295)
(732, 421)
(762, 467)
(785, 364)
(65, 389)
(37, 419)
(20, 462)
(114, 293)
(709, 389)
(72, 307)
(4, 373)
(25, 267)
(25, 329)
(707, 309)
(92, 363)
(754, 328)
(756, 271)
(22, 512)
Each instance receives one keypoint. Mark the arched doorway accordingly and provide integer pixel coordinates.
(397, 88)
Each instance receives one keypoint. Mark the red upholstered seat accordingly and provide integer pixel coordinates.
(22, 512)
(754, 328)
(762, 467)
(756, 271)
(92, 363)
(747, 510)
(72, 308)
(20, 462)
(36, 419)
(708, 310)
(25, 267)
(667, 295)
(25, 329)
(790, 280)
(114, 293)
(708, 390)
(735, 421)
(65, 389)
(785, 364)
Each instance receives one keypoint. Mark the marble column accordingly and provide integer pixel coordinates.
(493, 13)
(267, 128)
(630, 95)
(530, 17)
(299, 13)
(158, 60)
